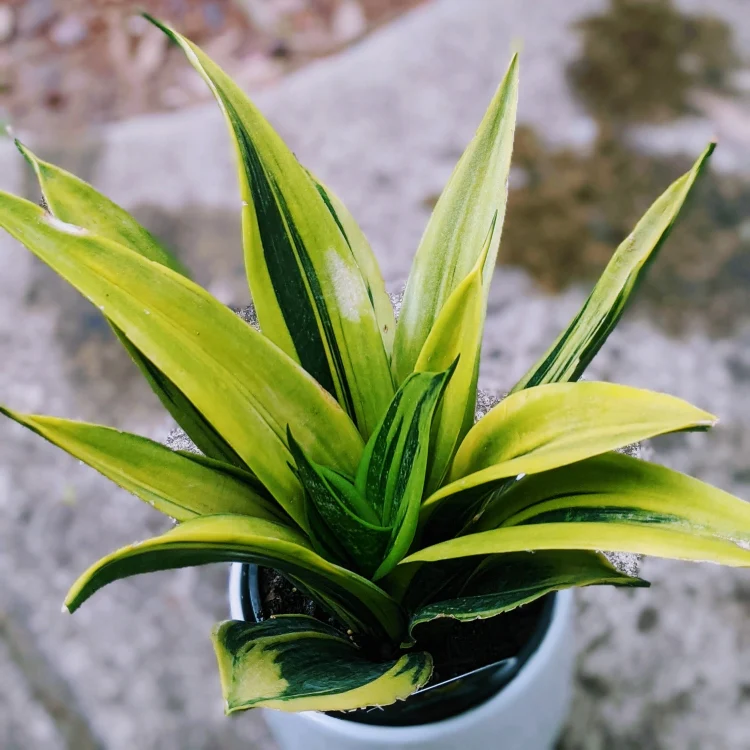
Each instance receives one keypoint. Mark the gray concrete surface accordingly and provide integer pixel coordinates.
(666, 668)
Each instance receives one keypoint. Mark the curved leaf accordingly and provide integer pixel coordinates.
(245, 386)
(456, 335)
(177, 484)
(73, 201)
(621, 489)
(455, 235)
(574, 349)
(360, 604)
(296, 663)
(503, 582)
(541, 428)
(306, 283)
(642, 539)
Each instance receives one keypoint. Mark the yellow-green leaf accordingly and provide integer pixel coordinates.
(247, 388)
(613, 537)
(177, 484)
(74, 201)
(620, 489)
(296, 663)
(574, 349)
(360, 604)
(368, 264)
(541, 428)
(456, 335)
(455, 235)
(309, 292)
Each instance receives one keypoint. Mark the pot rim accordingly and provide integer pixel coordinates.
(530, 671)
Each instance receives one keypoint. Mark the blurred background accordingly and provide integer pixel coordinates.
(379, 97)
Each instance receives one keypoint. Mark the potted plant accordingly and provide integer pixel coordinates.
(340, 449)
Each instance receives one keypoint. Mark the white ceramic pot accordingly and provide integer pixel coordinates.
(527, 714)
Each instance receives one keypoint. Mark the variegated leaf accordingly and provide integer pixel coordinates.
(296, 663)
(615, 487)
(541, 428)
(455, 236)
(392, 472)
(247, 388)
(456, 335)
(180, 485)
(350, 524)
(503, 582)
(309, 292)
(358, 603)
(613, 503)
(574, 349)
(75, 202)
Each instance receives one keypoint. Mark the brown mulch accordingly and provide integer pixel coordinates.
(67, 65)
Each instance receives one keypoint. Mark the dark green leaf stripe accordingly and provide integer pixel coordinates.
(503, 582)
(348, 518)
(307, 286)
(296, 663)
(615, 488)
(179, 485)
(195, 425)
(294, 281)
(366, 261)
(579, 343)
(359, 604)
(393, 469)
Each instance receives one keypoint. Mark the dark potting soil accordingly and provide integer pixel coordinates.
(456, 647)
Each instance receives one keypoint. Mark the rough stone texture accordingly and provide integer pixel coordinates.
(383, 124)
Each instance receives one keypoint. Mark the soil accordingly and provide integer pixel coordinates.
(456, 647)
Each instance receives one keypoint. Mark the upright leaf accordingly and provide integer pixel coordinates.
(503, 582)
(245, 386)
(455, 236)
(360, 605)
(296, 663)
(392, 472)
(180, 485)
(368, 264)
(541, 428)
(574, 349)
(309, 292)
(456, 335)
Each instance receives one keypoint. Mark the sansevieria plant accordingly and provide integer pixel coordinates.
(339, 447)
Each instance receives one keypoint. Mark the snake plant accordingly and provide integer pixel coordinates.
(340, 447)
